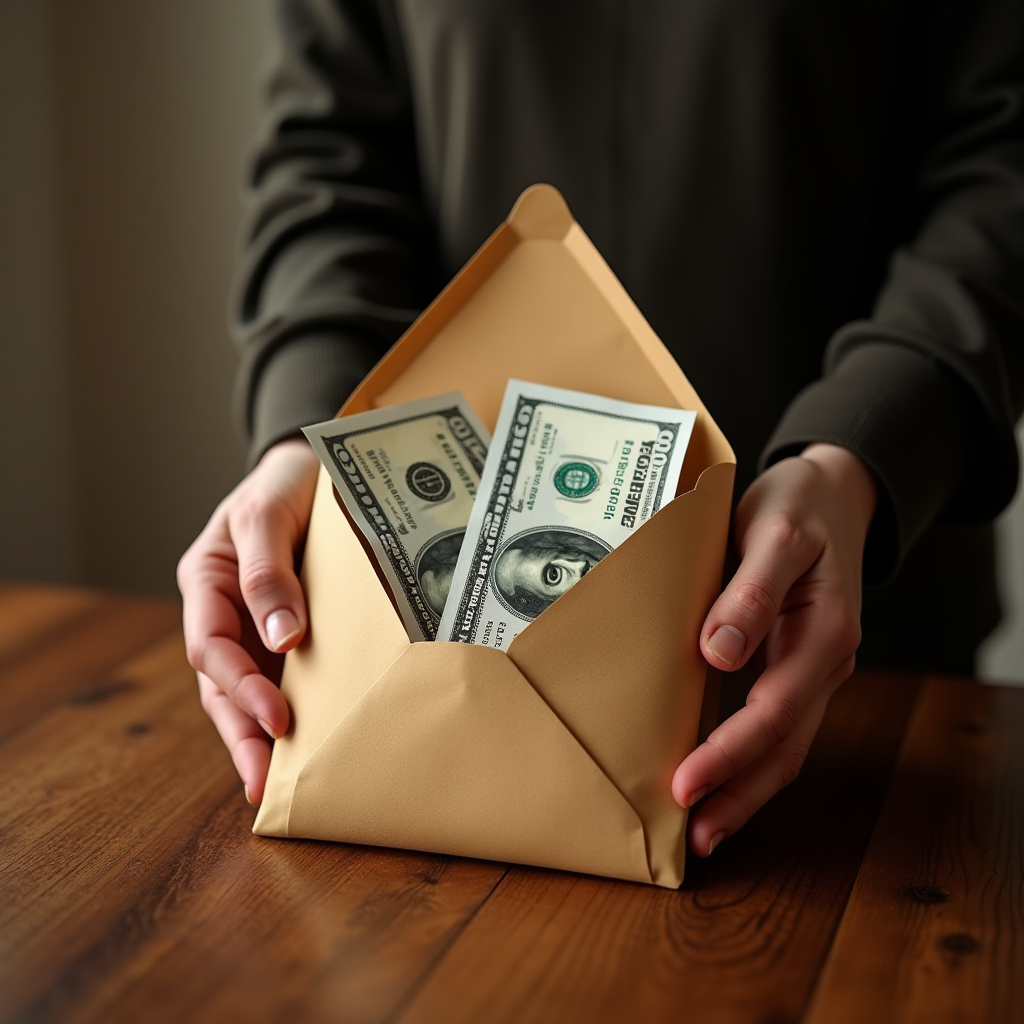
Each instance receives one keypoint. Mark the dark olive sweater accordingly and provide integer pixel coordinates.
(819, 207)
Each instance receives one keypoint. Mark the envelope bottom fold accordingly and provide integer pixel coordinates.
(453, 751)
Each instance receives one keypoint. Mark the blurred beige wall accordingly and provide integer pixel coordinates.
(39, 534)
(122, 125)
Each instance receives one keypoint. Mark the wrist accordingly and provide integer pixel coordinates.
(849, 476)
(294, 447)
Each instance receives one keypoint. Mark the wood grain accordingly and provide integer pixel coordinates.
(68, 654)
(744, 941)
(134, 890)
(935, 926)
(29, 615)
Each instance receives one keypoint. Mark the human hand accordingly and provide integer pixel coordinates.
(800, 532)
(243, 604)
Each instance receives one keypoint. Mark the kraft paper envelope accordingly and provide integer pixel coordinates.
(559, 752)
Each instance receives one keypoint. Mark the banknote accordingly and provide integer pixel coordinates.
(408, 475)
(569, 477)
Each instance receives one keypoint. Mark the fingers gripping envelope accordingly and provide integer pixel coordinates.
(558, 752)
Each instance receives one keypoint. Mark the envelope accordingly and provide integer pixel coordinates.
(558, 752)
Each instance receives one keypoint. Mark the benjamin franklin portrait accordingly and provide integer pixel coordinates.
(435, 568)
(535, 568)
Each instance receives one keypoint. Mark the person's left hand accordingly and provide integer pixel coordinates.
(800, 532)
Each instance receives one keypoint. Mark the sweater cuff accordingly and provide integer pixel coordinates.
(305, 381)
(904, 416)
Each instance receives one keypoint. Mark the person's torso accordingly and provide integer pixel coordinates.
(745, 167)
(739, 164)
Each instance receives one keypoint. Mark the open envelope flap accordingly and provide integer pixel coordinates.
(617, 659)
(453, 751)
(538, 302)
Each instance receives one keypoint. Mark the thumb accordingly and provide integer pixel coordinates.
(264, 542)
(773, 561)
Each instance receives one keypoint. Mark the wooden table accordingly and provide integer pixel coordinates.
(884, 885)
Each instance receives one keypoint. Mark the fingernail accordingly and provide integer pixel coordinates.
(248, 799)
(281, 627)
(697, 794)
(715, 840)
(727, 644)
(265, 726)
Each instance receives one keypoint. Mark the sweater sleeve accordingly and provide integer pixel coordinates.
(927, 391)
(335, 244)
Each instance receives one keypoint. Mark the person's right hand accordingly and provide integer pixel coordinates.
(243, 605)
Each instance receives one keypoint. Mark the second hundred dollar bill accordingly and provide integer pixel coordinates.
(408, 475)
(570, 476)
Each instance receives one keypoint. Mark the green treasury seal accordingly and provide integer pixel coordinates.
(576, 479)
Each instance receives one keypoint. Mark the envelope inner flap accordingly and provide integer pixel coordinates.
(616, 656)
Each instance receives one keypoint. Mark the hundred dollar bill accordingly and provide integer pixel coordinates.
(569, 477)
(408, 475)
